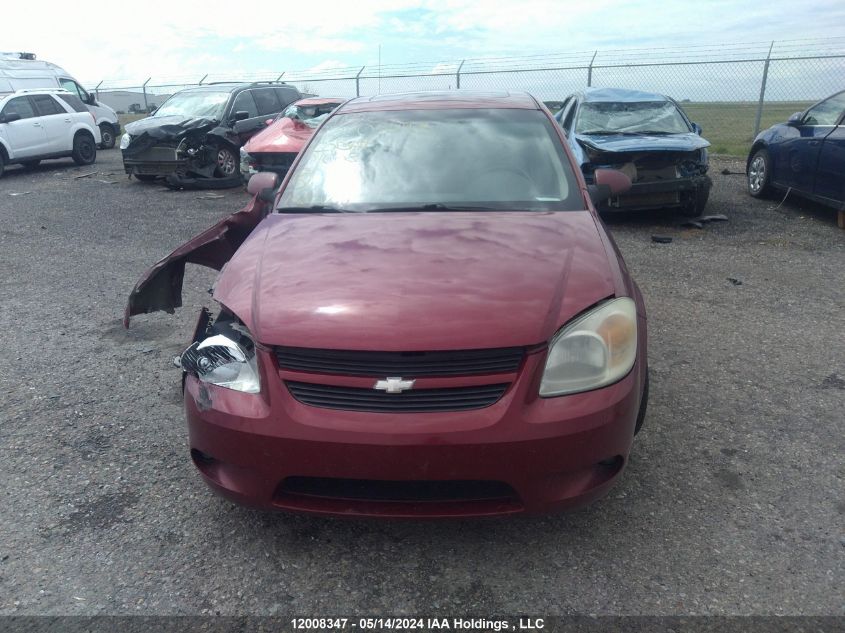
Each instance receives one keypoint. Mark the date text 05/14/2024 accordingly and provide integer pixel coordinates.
(415, 623)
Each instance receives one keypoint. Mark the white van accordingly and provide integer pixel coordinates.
(21, 71)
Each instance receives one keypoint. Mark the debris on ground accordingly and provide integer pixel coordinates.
(692, 224)
(735, 281)
(718, 217)
(661, 239)
(210, 196)
(107, 182)
(90, 173)
(20, 193)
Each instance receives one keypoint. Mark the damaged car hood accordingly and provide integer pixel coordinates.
(152, 130)
(284, 135)
(643, 142)
(492, 279)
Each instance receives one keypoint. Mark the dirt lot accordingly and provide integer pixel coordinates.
(732, 503)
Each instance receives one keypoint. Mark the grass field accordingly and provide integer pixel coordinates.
(729, 126)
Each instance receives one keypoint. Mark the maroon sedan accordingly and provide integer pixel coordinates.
(427, 319)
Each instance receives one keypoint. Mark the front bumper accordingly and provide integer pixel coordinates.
(651, 195)
(537, 455)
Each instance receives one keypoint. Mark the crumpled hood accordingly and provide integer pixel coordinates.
(152, 130)
(284, 135)
(643, 142)
(415, 281)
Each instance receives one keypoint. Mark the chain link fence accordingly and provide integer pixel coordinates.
(732, 91)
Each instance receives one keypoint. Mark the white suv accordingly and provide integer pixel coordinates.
(39, 124)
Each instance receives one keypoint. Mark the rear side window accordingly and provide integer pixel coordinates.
(245, 103)
(47, 105)
(21, 106)
(288, 96)
(266, 101)
(74, 102)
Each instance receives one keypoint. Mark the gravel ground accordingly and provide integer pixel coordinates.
(732, 503)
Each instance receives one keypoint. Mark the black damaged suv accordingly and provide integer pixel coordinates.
(195, 136)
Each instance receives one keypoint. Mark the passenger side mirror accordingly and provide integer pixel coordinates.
(696, 128)
(268, 122)
(240, 115)
(608, 182)
(796, 118)
(263, 184)
(9, 118)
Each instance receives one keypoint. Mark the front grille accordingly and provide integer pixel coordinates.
(412, 401)
(404, 364)
(401, 491)
(156, 154)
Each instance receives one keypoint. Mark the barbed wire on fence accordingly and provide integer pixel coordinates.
(731, 90)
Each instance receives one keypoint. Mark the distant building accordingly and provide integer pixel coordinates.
(123, 100)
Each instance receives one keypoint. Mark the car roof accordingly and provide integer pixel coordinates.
(446, 99)
(319, 100)
(595, 95)
(231, 86)
(34, 91)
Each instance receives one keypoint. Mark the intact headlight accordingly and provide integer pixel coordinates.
(595, 350)
(221, 361)
(125, 140)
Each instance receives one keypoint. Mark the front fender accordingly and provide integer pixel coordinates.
(160, 288)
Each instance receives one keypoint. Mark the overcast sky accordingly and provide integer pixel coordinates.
(132, 41)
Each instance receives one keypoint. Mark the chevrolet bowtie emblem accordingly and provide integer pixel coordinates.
(394, 385)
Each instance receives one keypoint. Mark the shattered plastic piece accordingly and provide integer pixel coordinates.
(735, 281)
(90, 173)
(692, 224)
(20, 193)
(661, 239)
(713, 218)
(107, 182)
(210, 196)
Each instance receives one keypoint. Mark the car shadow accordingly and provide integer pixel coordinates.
(18, 171)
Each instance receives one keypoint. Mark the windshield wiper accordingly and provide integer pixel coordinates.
(432, 206)
(314, 208)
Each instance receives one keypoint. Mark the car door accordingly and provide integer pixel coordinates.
(56, 122)
(245, 128)
(830, 172)
(26, 135)
(798, 154)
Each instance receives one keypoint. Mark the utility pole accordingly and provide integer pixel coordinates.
(763, 90)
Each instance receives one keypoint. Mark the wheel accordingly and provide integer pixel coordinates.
(643, 406)
(759, 174)
(227, 163)
(697, 202)
(84, 149)
(29, 164)
(2, 163)
(145, 177)
(106, 136)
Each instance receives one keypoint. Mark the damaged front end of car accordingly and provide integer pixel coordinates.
(661, 178)
(184, 152)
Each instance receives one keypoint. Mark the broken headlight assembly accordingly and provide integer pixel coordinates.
(595, 350)
(125, 140)
(225, 358)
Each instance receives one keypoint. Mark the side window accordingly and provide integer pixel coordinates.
(245, 102)
(74, 88)
(21, 106)
(74, 102)
(827, 112)
(287, 96)
(46, 105)
(266, 101)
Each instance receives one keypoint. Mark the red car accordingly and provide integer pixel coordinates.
(417, 323)
(275, 147)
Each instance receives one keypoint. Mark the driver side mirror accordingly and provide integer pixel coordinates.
(263, 184)
(240, 115)
(796, 119)
(9, 118)
(696, 128)
(608, 182)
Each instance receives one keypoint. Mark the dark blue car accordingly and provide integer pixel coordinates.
(805, 154)
(645, 135)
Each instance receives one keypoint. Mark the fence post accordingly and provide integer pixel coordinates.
(458, 75)
(590, 70)
(144, 88)
(358, 82)
(203, 78)
(97, 89)
(280, 76)
(762, 91)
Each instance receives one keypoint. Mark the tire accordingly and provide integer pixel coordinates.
(107, 136)
(31, 164)
(227, 163)
(84, 149)
(145, 177)
(759, 174)
(2, 163)
(643, 406)
(697, 202)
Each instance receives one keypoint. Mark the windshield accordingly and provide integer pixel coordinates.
(310, 115)
(408, 159)
(662, 117)
(195, 104)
